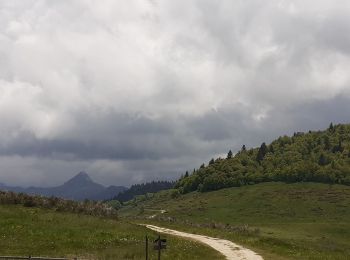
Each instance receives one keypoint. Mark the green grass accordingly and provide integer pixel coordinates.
(38, 232)
(280, 221)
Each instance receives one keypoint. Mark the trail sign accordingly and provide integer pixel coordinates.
(159, 243)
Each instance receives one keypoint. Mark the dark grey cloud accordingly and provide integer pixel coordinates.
(140, 90)
(118, 137)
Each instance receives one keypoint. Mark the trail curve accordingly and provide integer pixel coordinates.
(229, 249)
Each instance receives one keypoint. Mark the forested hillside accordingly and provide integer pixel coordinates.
(316, 156)
(144, 188)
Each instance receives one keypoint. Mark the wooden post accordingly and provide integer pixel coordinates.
(159, 246)
(146, 247)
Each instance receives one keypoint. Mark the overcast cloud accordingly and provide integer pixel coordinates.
(131, 91)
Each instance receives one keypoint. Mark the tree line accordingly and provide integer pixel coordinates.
(315, 156)
(144, 188)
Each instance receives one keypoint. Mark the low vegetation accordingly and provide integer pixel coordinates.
(86, 207)
(42, 232)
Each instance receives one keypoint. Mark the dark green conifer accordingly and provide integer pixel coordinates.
(322, 160)
(229, 154)
(327, 143)
(261, 152)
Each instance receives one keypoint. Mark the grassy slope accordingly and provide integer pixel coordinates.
(31, 231)
(296, 221)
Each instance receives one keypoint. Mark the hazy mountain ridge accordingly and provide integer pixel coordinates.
(80, 187)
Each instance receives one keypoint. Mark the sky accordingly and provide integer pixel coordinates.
(140, 90)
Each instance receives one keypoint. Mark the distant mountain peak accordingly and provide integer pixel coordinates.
(82, 174)
(81, 177)
(80, 187)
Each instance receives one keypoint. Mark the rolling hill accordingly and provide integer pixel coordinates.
(277, 220)
(289, 199)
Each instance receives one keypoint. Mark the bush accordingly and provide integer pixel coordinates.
(58, 204)
(175, 194)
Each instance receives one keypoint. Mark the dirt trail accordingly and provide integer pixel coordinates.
(161, 211)
(229, 249)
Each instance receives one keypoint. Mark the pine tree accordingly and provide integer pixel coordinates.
(338, 148)
(211, 161)
(262, 152)
(243, 149)
(319, 142)
(322, 160)
(327, 144)
(186, 174)
(229, 155)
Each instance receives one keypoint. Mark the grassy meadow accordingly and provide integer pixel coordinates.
(278, 220)
(40, 232)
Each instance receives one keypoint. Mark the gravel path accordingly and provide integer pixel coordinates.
(229, 249)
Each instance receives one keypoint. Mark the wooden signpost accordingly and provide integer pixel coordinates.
(158, 244)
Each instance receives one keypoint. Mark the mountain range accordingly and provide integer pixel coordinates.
(80, 187)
